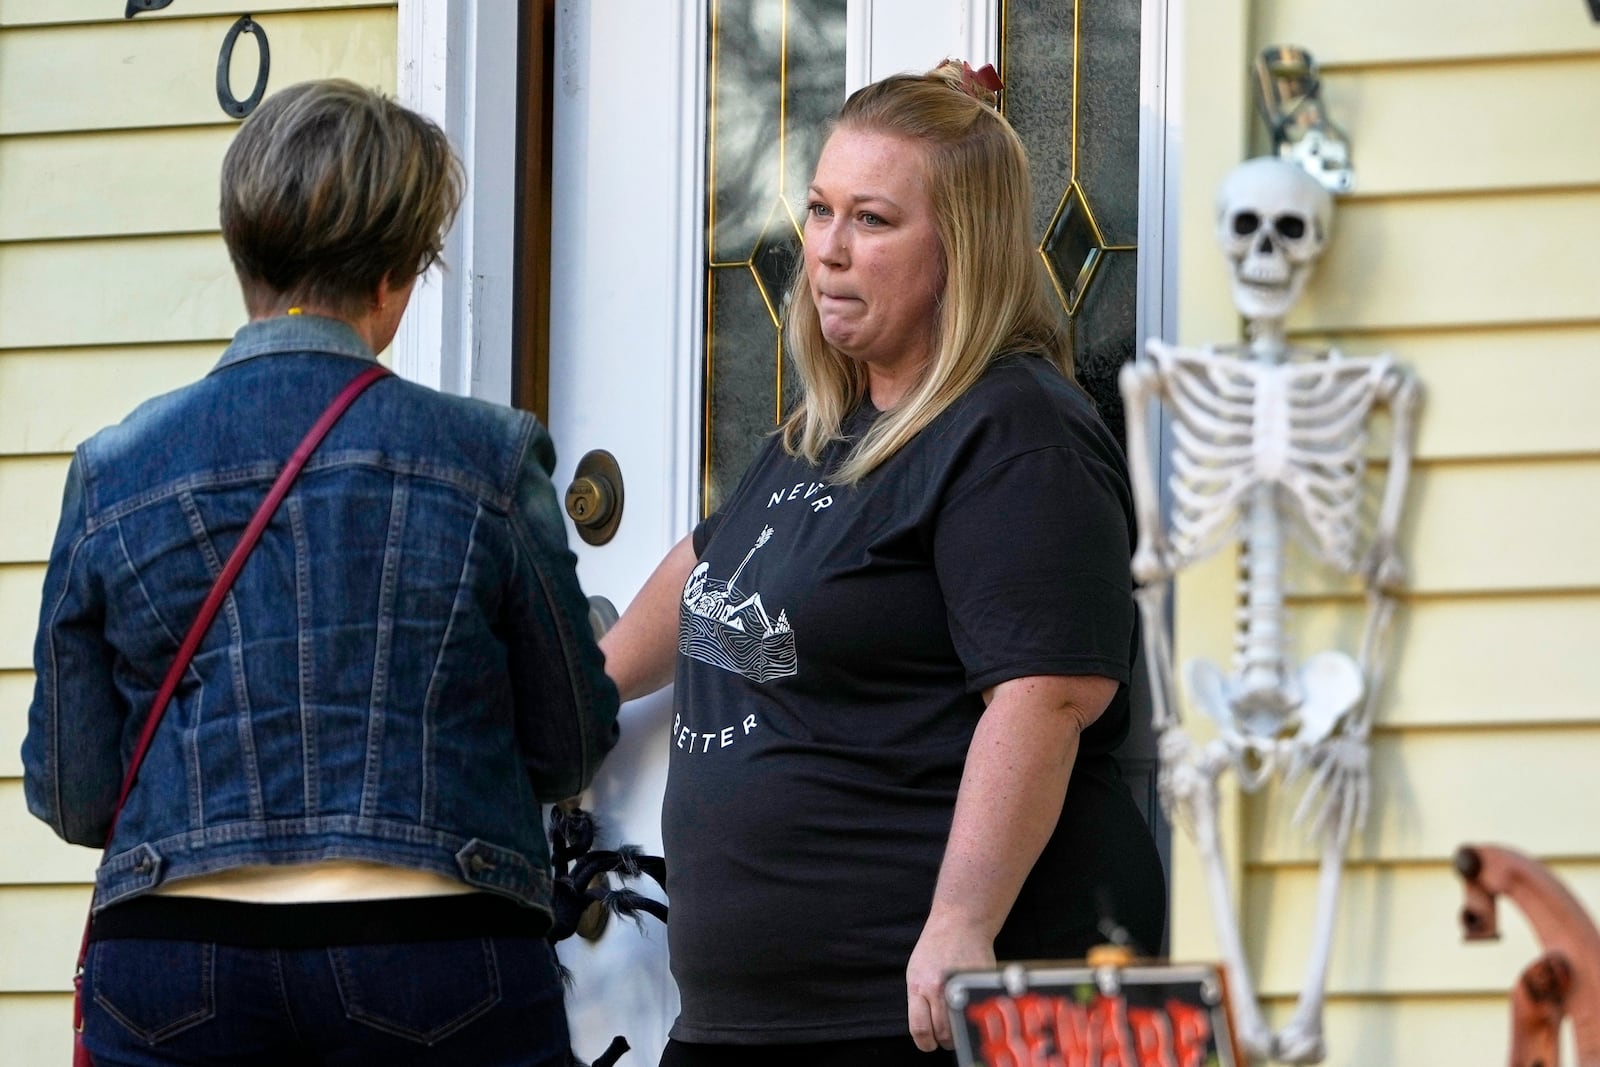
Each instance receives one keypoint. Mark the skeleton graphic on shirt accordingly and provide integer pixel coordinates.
(735, 632)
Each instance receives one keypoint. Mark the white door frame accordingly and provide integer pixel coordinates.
(918, 33)
(1161, 128)
(458, 66)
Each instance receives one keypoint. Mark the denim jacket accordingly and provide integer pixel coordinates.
(403, 672)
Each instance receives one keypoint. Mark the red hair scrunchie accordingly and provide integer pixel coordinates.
(985, 77)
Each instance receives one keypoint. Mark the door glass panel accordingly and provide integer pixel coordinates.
(1071, 72)
(777, 75)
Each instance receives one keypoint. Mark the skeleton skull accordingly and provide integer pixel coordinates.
(1272, 223)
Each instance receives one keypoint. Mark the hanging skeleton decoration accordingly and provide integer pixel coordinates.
(1269, 441)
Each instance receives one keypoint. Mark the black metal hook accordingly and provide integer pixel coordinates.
(230, 103)
(136, 6)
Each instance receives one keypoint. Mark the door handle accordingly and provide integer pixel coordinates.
(594, 499)
(603, 615)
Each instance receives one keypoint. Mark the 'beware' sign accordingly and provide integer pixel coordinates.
(1055, 1015)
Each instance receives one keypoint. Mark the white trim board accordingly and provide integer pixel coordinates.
(923, 32)
(458, 66)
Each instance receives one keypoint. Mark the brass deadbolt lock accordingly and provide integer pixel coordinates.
(594, 499)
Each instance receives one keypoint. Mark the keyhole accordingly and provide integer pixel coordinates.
(594, 499)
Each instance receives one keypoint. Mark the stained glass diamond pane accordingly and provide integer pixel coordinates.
(777, 73)
(1070, 247)
(775, 259)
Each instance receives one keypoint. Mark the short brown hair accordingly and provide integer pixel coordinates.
(329, 188)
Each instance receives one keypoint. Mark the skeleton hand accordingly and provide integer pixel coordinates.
(1180, 779)
(1339, 785)
(1153, 560)
(1382, 568)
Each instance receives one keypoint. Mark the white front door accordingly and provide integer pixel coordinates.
(627, 341)
(684, 135)
(624, 291)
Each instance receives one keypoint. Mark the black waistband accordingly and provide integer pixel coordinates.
(315, 925)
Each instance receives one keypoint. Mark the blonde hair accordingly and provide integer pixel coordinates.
(329, 188)
(996, 297)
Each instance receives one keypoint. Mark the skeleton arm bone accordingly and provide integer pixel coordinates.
(1338, 795)
(1141, 382)
(1152, 600)
(1373, 660)
(1385, 570)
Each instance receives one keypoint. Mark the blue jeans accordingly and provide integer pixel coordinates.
(483, 1001)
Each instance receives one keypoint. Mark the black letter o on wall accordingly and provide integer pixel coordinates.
(230, 103)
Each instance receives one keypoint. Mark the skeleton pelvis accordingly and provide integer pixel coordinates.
(1265, 706)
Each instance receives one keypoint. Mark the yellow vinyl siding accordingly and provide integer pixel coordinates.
(67, 12)
(1507, 527)
(19, 595)
(1407, 939)
(1463, 252)
(1478, 518)
(114, 287)
(1423, 31)
(1452, 261)
(1542, 403)
(16, 690)
(50, 399)
(57, 185)
(142, 74)
(43, 925)
(1424, 1031)
(139, 290)
(1453, 656)
(30, 1022)
(34, 855)
(27, 532)
(1437, 788)
(1470, 126)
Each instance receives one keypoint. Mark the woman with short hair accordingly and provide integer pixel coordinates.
(333, 851)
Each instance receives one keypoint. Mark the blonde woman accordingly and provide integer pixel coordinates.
(333, 852)
(902, 646)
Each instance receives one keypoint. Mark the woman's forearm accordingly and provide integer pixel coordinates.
(641, 649)
(1012, 789)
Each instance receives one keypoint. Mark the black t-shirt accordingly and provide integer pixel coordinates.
(834, 646)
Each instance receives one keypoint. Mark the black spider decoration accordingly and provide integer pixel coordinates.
(581, 882)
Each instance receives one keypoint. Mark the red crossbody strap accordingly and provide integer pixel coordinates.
(224, 582)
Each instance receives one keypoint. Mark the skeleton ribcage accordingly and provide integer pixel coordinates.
(1298, 427)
